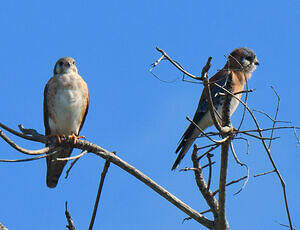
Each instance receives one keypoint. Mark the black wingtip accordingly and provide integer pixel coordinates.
(178, 160)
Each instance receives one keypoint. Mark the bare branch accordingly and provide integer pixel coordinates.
(241, 164)
(41, 139)
(71, 166)
(222, 223)
(245, 91)
(20, 149)
(275, 117)
(258, 137)
(230, 183)
(264, 173)
(93, 148)
(247, 142)
(210, 170)
(32, 158)
(197, 169)
(103, 174)
(189, 218)
(176, 64)
(283, 225)
(207, 194)
(206, 146)
(298, 140)
(207, 152)
(73, 158)
(70, 225)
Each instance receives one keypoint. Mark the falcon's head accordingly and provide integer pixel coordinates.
(242, 59)
(65, 65)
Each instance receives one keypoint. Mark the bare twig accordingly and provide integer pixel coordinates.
(207, 194)
(264, 173)
(41, 139)
(245, 91)
(236, 131)
(230, 183)
(275, 117)
(70, 225)
(210, 170)
(176, 64)
(283, 225)
(197, 169)
(261, 138)
(189, 218)
(103, 174)
(20, 149)
(247, 142)
(208, 151)
(73, 158)
(30, 159)
(298, 140)
(268, 129)
(206, 146)
(241, 164)
(71, 166)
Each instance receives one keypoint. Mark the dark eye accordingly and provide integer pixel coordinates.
(61, 63)
(73, 63)
(249, 58)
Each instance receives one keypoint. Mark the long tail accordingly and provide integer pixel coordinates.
(55, 168)
(187, 140)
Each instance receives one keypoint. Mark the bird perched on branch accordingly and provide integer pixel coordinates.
(241, 62)
(66, 102)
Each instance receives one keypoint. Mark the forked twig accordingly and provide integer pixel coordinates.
(103, 174)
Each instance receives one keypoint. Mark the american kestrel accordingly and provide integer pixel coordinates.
(241, 62)
(66, 102)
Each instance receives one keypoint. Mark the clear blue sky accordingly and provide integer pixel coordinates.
(140, 117)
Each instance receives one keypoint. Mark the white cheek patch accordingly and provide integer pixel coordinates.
(246, 62)
(252, 67)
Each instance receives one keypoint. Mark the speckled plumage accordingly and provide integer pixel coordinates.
(66, 101)
(241, 63)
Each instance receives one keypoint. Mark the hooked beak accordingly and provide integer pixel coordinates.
(256, 62)
(67, 64)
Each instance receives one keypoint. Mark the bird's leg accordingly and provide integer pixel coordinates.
(59, 137)
(75, 138)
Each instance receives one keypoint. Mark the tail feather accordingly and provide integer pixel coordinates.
(55, 168)
(187, 140)
(189, 136)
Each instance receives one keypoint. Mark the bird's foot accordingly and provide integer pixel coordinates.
(75, 138)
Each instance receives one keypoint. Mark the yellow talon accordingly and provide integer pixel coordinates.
(75, 138)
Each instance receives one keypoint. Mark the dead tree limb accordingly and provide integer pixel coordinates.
(111, 157)
(103, 174)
